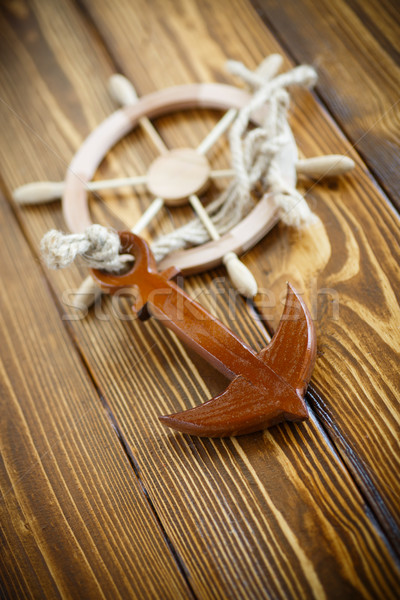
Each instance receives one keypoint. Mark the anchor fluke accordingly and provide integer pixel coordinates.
(242, 408)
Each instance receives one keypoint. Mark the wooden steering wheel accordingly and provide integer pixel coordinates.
(180, 175)
(192, 163)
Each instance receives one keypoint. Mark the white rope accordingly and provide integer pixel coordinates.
(254, 153)
(97, 246)
(254, 161)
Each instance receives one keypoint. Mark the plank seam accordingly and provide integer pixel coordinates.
(127, 451)
(382, 519)
(108, 412)
(371, 496)
(374, 176)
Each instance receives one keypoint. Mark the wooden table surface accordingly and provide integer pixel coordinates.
(98, 499)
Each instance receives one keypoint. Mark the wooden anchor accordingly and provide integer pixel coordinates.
(267, 388)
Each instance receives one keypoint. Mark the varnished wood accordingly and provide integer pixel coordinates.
(267, 388)
(273, 515)
(352, 256)
(273, 391)
(354, 46)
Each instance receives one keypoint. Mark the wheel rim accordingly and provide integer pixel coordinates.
(209, 96)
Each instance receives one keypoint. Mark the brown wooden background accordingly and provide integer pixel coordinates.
(97, 498)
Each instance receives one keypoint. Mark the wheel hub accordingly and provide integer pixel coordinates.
(177, 174)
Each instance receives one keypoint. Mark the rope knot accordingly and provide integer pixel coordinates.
(103, 244)
(98, 246)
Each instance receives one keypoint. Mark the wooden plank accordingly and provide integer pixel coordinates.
(348, 272)
(270, 515)
(338, 256)
(74, 519)
(354, 46)
(262, 510)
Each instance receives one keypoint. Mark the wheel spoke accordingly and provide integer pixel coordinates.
(148, 215)
(40, 192)
(110, 184)
(239, 274)
(123, 91)
(217, 131)
(267, 69)
(221, 173)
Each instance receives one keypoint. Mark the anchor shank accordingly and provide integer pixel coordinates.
(202, 331)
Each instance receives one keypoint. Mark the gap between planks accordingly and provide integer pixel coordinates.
(313, 393)
(315, 402)
(132, 461)
(46, 279)
(375, 178)
(313, 407)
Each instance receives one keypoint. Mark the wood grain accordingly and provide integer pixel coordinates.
(271, 515)
(354, 252)
(74, 518)
(354, 46)
(354, 295)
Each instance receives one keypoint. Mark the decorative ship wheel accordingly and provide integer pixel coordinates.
(180, 175)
